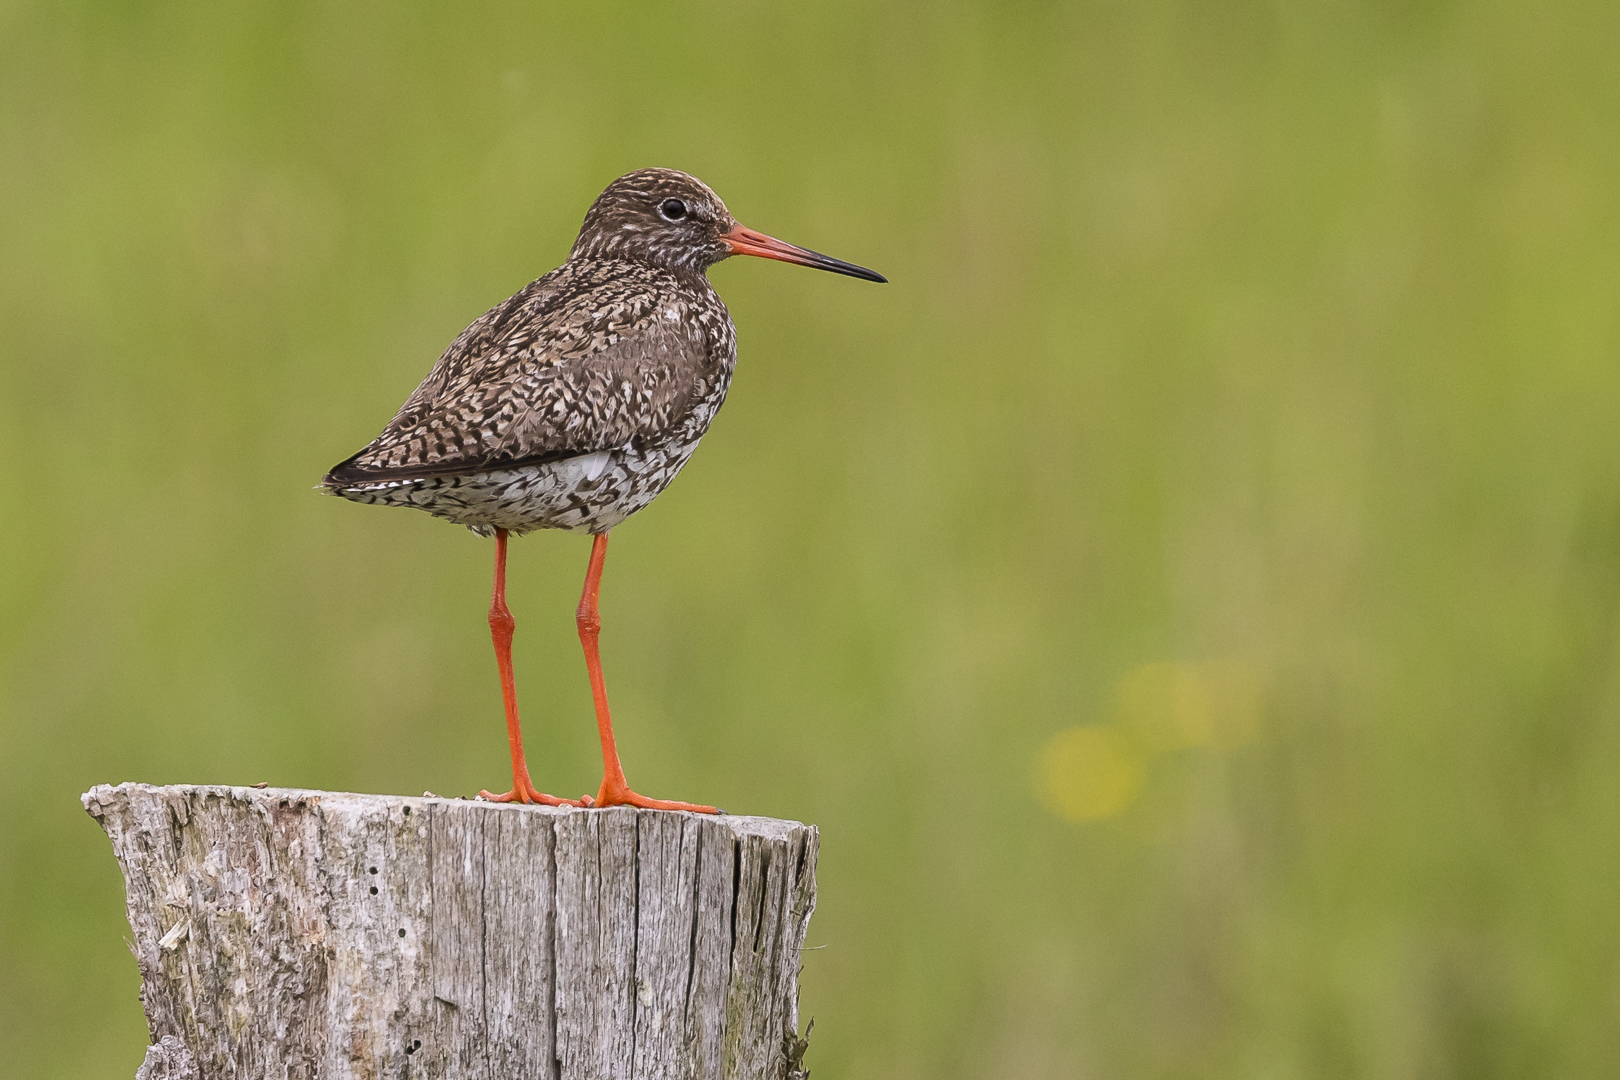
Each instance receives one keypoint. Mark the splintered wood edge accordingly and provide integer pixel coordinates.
(97, 799)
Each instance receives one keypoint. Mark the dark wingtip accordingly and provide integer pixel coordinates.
(343, 473)
(330, 484)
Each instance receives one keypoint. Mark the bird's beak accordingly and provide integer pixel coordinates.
(743, 241)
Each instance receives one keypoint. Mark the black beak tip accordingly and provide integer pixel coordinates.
(839, 266)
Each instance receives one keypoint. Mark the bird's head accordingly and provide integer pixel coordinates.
(672, 220)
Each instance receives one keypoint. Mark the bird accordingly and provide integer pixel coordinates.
(571, 405)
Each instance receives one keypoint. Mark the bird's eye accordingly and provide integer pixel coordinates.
(673, 209)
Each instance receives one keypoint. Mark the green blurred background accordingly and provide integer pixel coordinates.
(1185, 597)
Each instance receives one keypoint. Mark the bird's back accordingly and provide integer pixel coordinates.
(616, 362)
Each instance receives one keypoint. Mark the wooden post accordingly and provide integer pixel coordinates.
(304, 934)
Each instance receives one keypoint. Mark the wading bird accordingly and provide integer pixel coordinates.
(572, 404)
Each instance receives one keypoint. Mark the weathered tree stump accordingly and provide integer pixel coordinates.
(304, 934)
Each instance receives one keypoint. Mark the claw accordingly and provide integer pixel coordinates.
(529, 795)
(620, 795)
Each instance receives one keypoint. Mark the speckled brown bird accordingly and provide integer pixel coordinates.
(572, 404)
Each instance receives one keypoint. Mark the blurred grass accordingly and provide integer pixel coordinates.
(1277, 338)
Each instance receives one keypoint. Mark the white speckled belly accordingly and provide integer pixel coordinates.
(589, 494)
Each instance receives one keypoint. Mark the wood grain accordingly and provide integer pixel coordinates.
(304, 934)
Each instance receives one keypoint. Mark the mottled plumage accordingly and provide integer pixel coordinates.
(574, 403)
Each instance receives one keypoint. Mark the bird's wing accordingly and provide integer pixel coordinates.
(563, 368)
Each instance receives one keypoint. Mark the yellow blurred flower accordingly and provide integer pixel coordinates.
(1087, 774)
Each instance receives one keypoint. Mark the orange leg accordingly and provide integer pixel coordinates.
(501, 625)
(614, 792)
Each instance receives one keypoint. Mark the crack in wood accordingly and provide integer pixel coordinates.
(697, 896)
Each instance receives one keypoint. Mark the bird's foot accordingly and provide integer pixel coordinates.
(620, 795)
(525, 793)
